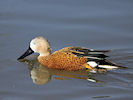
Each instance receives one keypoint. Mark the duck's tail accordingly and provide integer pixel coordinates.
(105, 64)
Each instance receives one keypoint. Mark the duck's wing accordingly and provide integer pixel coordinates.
(96, 58)
(89, 53)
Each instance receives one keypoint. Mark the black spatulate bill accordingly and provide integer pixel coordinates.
(28, 52)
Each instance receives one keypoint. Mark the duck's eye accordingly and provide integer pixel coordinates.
(34, 43)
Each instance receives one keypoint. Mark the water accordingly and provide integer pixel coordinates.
(94, 24)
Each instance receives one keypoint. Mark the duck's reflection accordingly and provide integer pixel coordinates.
(42, 75)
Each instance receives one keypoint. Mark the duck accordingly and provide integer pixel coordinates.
(69, 58)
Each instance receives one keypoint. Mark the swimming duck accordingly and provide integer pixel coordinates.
(69, 58)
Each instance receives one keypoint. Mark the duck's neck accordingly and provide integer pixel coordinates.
(45, 54)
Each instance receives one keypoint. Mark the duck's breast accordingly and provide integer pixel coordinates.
(63, 60)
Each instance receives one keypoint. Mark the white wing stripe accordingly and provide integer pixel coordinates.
(107, 66)
(93, 57)
(92, 63)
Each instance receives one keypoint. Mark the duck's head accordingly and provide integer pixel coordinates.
(38, 45)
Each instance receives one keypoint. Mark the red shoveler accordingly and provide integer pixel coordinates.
(69, 58)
